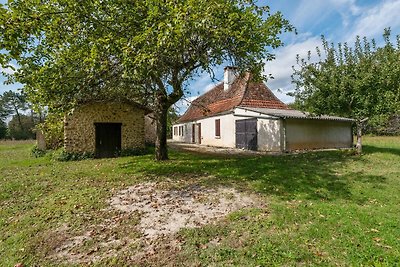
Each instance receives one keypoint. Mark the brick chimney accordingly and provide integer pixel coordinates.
(230, 74)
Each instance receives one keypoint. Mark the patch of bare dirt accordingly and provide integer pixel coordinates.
(160, 211)
(166, 211)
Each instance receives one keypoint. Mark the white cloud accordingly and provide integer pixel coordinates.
(281, 67)
(347, 6)
(9, 70)
(372, 21)
(197, 88)
(309, 14)
(182, 105)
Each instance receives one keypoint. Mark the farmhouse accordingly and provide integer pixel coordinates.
(104, 128)
(244, 114)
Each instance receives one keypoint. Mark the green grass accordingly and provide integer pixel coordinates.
(322, 208)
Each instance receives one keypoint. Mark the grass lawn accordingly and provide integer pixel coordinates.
(322, 208)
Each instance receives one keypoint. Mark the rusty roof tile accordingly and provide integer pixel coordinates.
(243, 92)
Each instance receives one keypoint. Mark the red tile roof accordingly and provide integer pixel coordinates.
(243, 92)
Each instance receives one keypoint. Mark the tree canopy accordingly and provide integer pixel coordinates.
(360, 81)
(72, 51)
(22, 127)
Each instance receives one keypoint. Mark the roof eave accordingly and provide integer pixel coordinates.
(205, 117)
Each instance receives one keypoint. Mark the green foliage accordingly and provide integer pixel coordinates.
(143, 51)
(53, 130)
(3, 130)
(171, 119)
(385, 125)
(11, 103)
(358, 82)
(22, 127)
(36, 152)
(62, 155)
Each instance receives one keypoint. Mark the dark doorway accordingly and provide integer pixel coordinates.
(199, 126)
(193, 133)
(108, 140)
(246, 134)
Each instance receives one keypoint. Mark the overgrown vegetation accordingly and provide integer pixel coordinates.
(321, 208)
(53, 131)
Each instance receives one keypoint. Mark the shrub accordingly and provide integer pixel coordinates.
(36, 152)
(53, 131)
(62, 155)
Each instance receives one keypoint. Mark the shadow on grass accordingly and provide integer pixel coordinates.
(318, 175)
(367, 149)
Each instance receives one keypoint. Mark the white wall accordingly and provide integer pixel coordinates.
(269, 134)
(187, 132)
(269, 130)
(314, 134)
(227, 126)
(248, 114)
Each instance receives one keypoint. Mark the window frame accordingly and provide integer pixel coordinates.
(217, 127)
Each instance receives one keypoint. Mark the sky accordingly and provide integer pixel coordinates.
(337, 20)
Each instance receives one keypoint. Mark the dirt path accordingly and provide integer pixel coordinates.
(147, 214)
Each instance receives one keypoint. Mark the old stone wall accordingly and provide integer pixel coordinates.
(79, 128)
(150, 129)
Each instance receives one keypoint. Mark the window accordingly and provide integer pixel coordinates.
(175, 130)
(218, 128)
(180, 132)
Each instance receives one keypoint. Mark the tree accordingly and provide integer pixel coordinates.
(3, 130)
(71, 51)
(361, 82)
(22, 127)
(13, 103)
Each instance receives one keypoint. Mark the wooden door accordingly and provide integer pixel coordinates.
(193, 133)
(199, 131)
(246, 134)
(108, 140)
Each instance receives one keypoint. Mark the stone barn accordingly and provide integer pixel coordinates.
(104, 128)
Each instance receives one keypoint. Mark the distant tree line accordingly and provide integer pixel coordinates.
(22, 125)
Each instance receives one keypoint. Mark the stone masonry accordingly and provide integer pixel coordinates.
(79, 128)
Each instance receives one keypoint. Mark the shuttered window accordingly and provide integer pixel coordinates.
(218, 128)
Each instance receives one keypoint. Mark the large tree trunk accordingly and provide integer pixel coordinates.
(162, 103)
(161, 133)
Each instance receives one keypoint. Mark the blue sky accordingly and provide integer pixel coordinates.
(338, 20)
